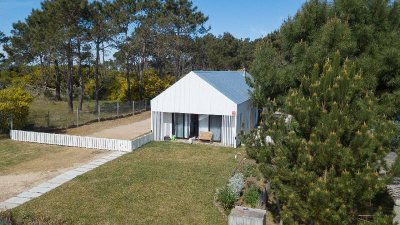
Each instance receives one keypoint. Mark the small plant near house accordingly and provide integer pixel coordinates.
(230, 193)
(226, 197)
(251, 196)
(236, 183)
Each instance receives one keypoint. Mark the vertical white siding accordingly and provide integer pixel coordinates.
(157, 125)
(167, 118)
(228, 135)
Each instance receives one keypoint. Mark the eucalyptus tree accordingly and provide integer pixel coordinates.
(100, 31)
(181, 22)
(3, 40)
(69, 16)
(125, 14)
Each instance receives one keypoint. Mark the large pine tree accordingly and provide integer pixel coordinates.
(323, 165)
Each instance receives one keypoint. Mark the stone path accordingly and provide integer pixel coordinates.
(56, 181)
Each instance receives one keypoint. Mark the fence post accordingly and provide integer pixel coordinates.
(145, 105)
(98, 112)
(117, 108)
(133, 108)
(11, 124)
(77, 116)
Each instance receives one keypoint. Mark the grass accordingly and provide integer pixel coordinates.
(13, 153)
(160, 183)
(23, 157)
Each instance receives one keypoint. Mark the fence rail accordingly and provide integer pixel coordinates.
(80, 141)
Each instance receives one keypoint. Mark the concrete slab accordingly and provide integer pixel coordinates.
(90, 166)
(40, 190)
(96, 163)
(73, 173)
(29, 194)
(66, 176)
(83, 169)
(6, 205)
(58, 180)
(48, 185)
(17, 200)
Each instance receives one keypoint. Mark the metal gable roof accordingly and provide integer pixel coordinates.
(232, 84)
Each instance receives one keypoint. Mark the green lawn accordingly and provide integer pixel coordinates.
(160, 183)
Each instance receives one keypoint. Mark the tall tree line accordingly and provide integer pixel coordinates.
(66, 39)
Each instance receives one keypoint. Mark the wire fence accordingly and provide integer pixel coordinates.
(61, 118)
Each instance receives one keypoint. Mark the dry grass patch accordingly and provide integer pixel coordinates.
(24, 165)
(160, 183)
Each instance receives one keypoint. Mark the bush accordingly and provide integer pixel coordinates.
(250, 170)
(14, 103)
(226, 197)
(236, 184)
(251, 196)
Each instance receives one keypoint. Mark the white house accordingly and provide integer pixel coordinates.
(216, 101)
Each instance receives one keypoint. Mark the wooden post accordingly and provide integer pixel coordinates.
(133, 108)
(145, 105)
(117, 108)
(98, 112)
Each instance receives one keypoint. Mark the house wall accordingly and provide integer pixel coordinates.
(246, 120)
(193, 95)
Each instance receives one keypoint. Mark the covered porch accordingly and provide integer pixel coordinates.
(188, 125)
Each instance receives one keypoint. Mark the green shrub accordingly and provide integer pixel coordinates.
(250, 170)
(14, 103)
(252, 195)
(226, 197)
(236, 184)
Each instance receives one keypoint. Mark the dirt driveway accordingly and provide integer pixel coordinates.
(25, 175)
(125, 128)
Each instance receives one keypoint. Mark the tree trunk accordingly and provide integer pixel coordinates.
(57, 80)
(104, 65)
(81, 79)
(69, 88)
(128, 81)
(141, 71)
(42, 72)
(96, 75)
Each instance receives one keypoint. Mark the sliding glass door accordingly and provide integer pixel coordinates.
(179, 125)
(215, 127)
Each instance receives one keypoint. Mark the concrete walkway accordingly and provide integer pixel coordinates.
(56, 181)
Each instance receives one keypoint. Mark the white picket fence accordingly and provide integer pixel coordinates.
(80, 141)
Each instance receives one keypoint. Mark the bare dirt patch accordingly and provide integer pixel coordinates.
(97, 127)
(25, 175)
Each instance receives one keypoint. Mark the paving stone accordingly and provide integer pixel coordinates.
(96, 163)
(89, 166)
(66, 176)
(83, 169)
(73, 173)
(58, 180)
(41, 190)
(17, 200)
(7, 205)
(29, 194)
(48, 185)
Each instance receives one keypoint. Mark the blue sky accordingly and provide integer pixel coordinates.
(242, 18)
